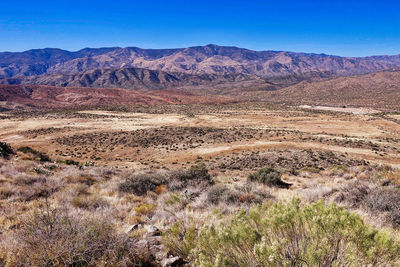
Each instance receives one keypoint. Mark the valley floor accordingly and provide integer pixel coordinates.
(94, 155)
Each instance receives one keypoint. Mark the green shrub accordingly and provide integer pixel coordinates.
(5, 150)
(269, 176)
(285, 235)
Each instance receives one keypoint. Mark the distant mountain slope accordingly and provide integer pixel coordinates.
(37, 61)
(40, 96)
(128, 78)
(379, 90)
(210, 59)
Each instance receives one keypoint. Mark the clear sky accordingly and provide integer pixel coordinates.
(346, 28)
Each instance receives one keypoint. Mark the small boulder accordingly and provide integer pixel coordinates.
(173, 262)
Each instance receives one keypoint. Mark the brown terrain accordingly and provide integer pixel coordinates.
(201, 156)
(41, 96)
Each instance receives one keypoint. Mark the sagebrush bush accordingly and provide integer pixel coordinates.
(270, 177)
(289, 234)
(142, 183)
(53, 238)
(196, 176)
(222, 193)
(376, 200)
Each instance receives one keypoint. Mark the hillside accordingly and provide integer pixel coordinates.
(128, 78)
(379, 90)
(210, 59)
(40, 96)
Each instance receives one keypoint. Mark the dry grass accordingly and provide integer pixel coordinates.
(183, 168)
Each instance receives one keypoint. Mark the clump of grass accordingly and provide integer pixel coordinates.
(51, 237)
(291, 234)
(237, 195)
(88, 202)
(140, 184)
(145, 209)
(311, 169)
(270, 177)
(37, 155)
(161, 189)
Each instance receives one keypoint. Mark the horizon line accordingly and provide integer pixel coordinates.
(210, 44)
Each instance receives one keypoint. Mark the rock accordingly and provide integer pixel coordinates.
(153, 231)
(173, 262)
(132, 228)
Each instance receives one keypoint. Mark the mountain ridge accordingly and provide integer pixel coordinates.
(209, 59)
(127, 78)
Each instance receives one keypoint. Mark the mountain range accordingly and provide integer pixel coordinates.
(206, 70)
(209, 59)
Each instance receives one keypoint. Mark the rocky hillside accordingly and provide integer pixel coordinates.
(378, 90)
(128, 78)
(40, 96)
(210, 59)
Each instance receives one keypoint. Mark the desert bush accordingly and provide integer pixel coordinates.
(141, 183)
(88, 202)
(270, 177)
(36, 154)
(238, 195)
(70, 162)
(28, 188)
(353, 194)
(145, 209)
(51, 237)
(387, 201)
(376, 200)
(81, 178)
(5, 150)
(161, 189)
(196, 175)
(291, 234)
(222, 193)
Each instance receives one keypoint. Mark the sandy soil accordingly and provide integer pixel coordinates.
(273, 129)
(359, 111)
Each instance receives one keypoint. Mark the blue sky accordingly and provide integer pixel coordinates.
(346, 28)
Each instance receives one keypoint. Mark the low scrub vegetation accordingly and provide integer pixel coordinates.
(36, 155)
(51, 237)
(289, 234)
(140, 184)
(270, 177)
(246, 194)
(384, 201)
(5, 150)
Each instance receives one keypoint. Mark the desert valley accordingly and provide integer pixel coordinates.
(200, 156)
